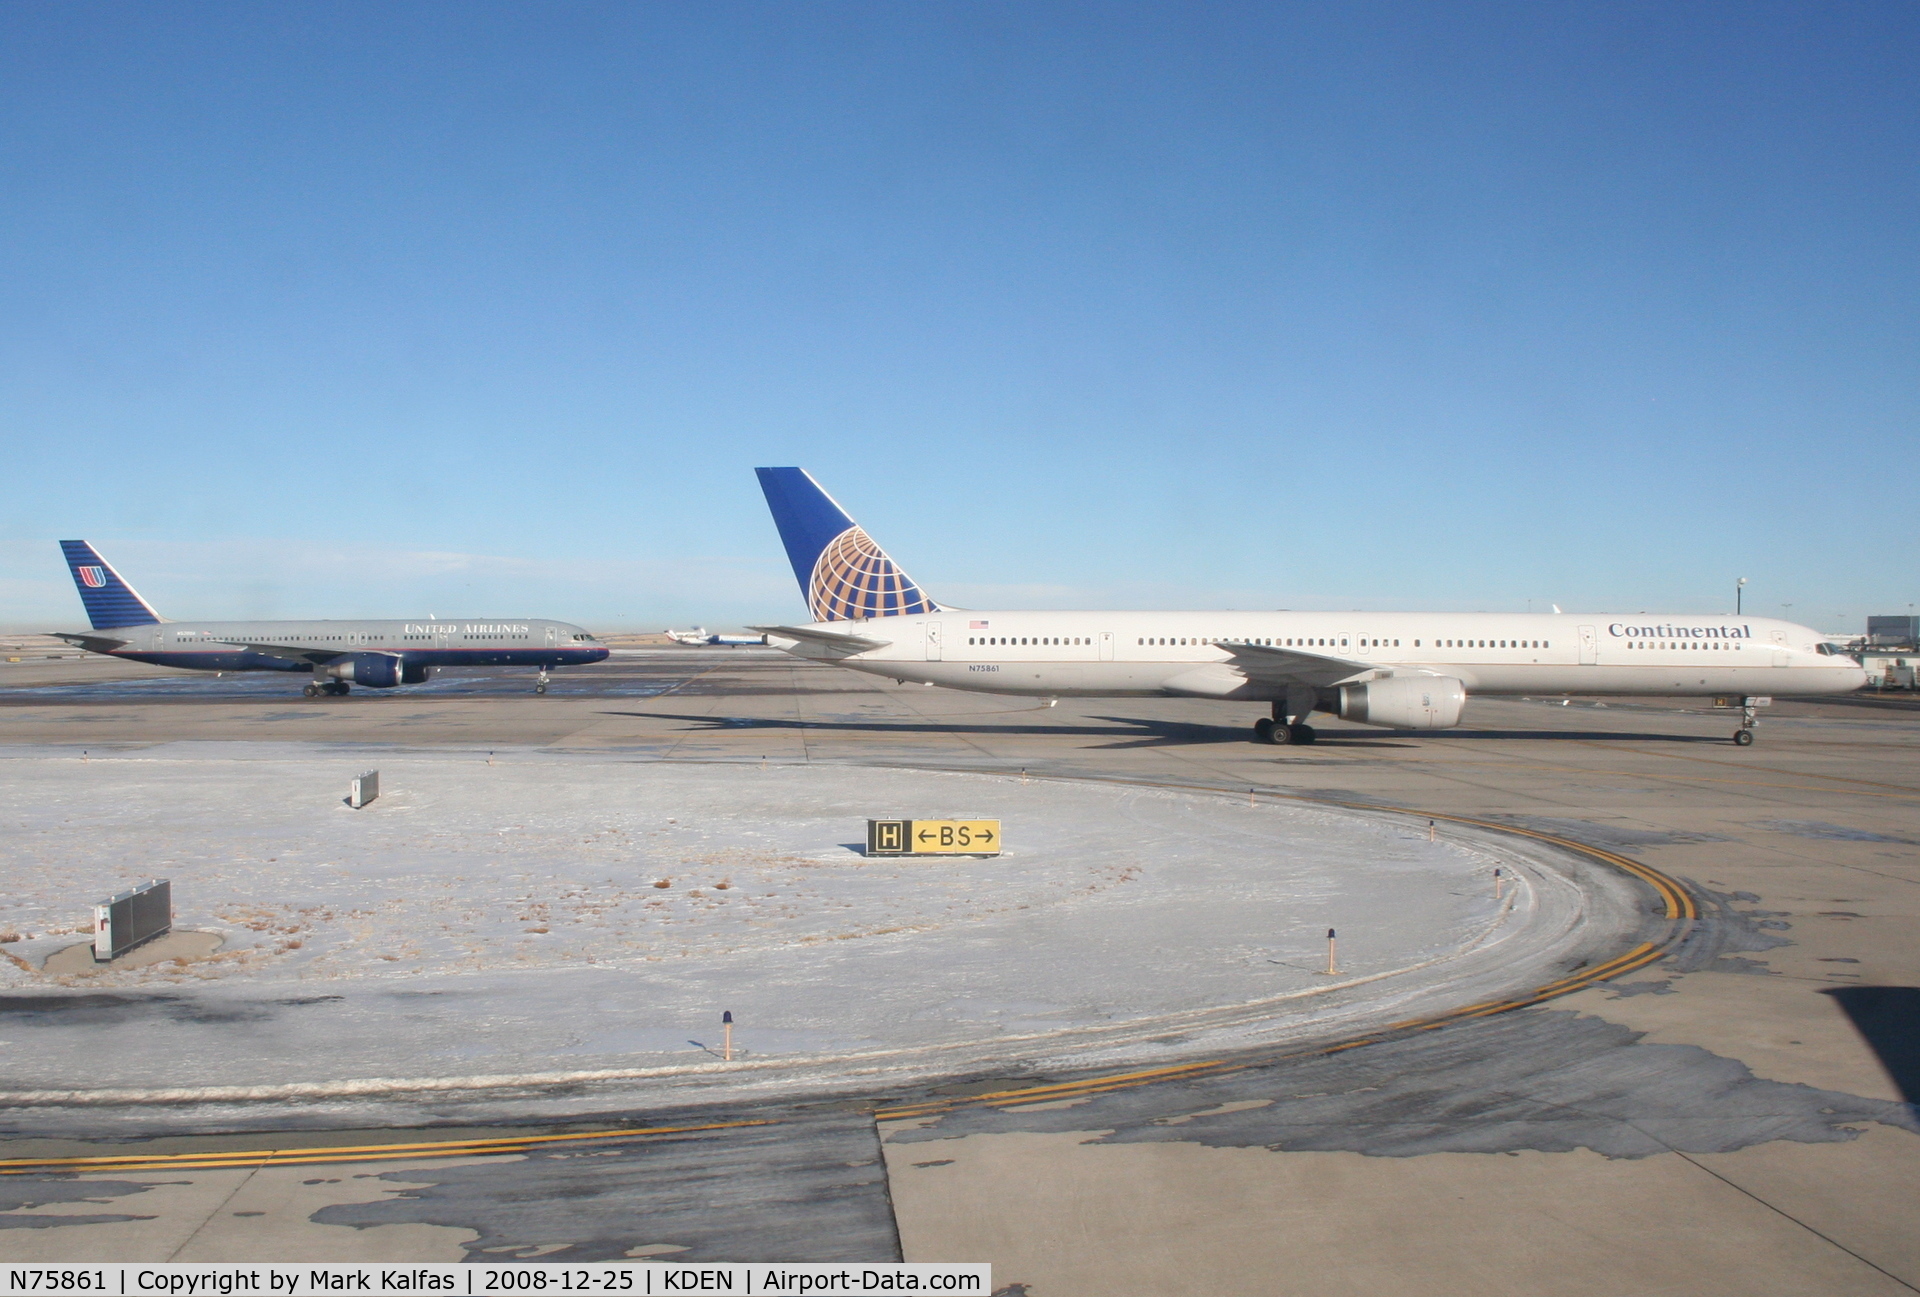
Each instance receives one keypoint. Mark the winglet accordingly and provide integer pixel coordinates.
(843, 574)
(109, 600)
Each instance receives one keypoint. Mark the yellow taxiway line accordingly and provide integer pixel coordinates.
(1677, 905)
(341, 1153)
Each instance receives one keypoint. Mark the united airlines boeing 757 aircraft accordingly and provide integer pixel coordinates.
(1402, 670)
(339, 654)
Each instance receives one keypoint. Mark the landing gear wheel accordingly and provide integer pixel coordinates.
(540, 689)
(339, 688)
(1263, 730)
(311, 691)
(1743, 738)
(1301, 733)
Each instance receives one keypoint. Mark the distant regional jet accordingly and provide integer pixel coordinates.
(339, 654)
(698, 637)
(1402, 670)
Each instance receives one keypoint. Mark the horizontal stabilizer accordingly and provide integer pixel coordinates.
(91, 643)
(825, 638)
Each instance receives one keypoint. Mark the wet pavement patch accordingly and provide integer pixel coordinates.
(1724, 932)
(1542, 1079)
(20, 1195)
(110, 1010)
(1822, 831)
(803, 1190)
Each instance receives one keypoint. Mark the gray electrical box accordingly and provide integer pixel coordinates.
(132, 918)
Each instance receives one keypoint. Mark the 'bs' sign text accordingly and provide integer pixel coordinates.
(933, 837)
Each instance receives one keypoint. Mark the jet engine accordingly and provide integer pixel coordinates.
(414, 673)
(1405, 702)
(376, 670)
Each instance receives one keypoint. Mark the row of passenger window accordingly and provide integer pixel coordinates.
(1175, 641)
(1018, 639)
(1490, 643)
(1304, 641)
(1674, 644)
(1336, 642)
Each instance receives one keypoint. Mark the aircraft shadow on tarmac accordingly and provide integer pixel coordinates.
(1888, 1019)
(1146, 733)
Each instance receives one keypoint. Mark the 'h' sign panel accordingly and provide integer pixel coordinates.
(933, 837)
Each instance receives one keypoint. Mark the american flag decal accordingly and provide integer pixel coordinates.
(976, 625)
(92, 577)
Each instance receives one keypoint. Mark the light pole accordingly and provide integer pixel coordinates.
(1739, 588)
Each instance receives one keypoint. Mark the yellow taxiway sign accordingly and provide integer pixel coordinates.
(933, 837)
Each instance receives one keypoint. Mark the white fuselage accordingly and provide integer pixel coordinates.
(1109, 654)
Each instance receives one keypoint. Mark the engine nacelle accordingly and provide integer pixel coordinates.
(375, 670)
(414, 673)
(1405, 702)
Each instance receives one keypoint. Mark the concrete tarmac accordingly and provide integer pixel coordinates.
(1737, 1119)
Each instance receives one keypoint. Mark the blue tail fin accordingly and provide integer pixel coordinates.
(109, 600)
(843, 574)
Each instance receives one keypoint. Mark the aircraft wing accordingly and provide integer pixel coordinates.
(291, 652)
(92, 643)
(1291, 666)
(824, 638)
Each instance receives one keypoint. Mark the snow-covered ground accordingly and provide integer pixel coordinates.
(549, 914)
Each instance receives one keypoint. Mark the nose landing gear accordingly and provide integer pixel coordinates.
(540, 685)
(1749, 717)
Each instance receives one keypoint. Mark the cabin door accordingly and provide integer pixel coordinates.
(1106, 646)
(1589, 647)
(933, 641)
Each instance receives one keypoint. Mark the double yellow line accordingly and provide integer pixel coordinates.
(247, 1158)
(1677, 905)
(1677, 908)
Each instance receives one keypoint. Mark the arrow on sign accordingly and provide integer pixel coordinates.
(923, 835)
(986, 835)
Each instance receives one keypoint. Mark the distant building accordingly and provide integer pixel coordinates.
(1893, 632)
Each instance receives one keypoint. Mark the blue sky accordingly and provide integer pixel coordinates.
(376, 309)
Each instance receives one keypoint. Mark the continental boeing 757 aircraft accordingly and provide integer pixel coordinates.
(339, 654)
(1402, 670)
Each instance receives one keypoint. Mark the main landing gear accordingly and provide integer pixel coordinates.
(332, 688)
(1268, 730)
